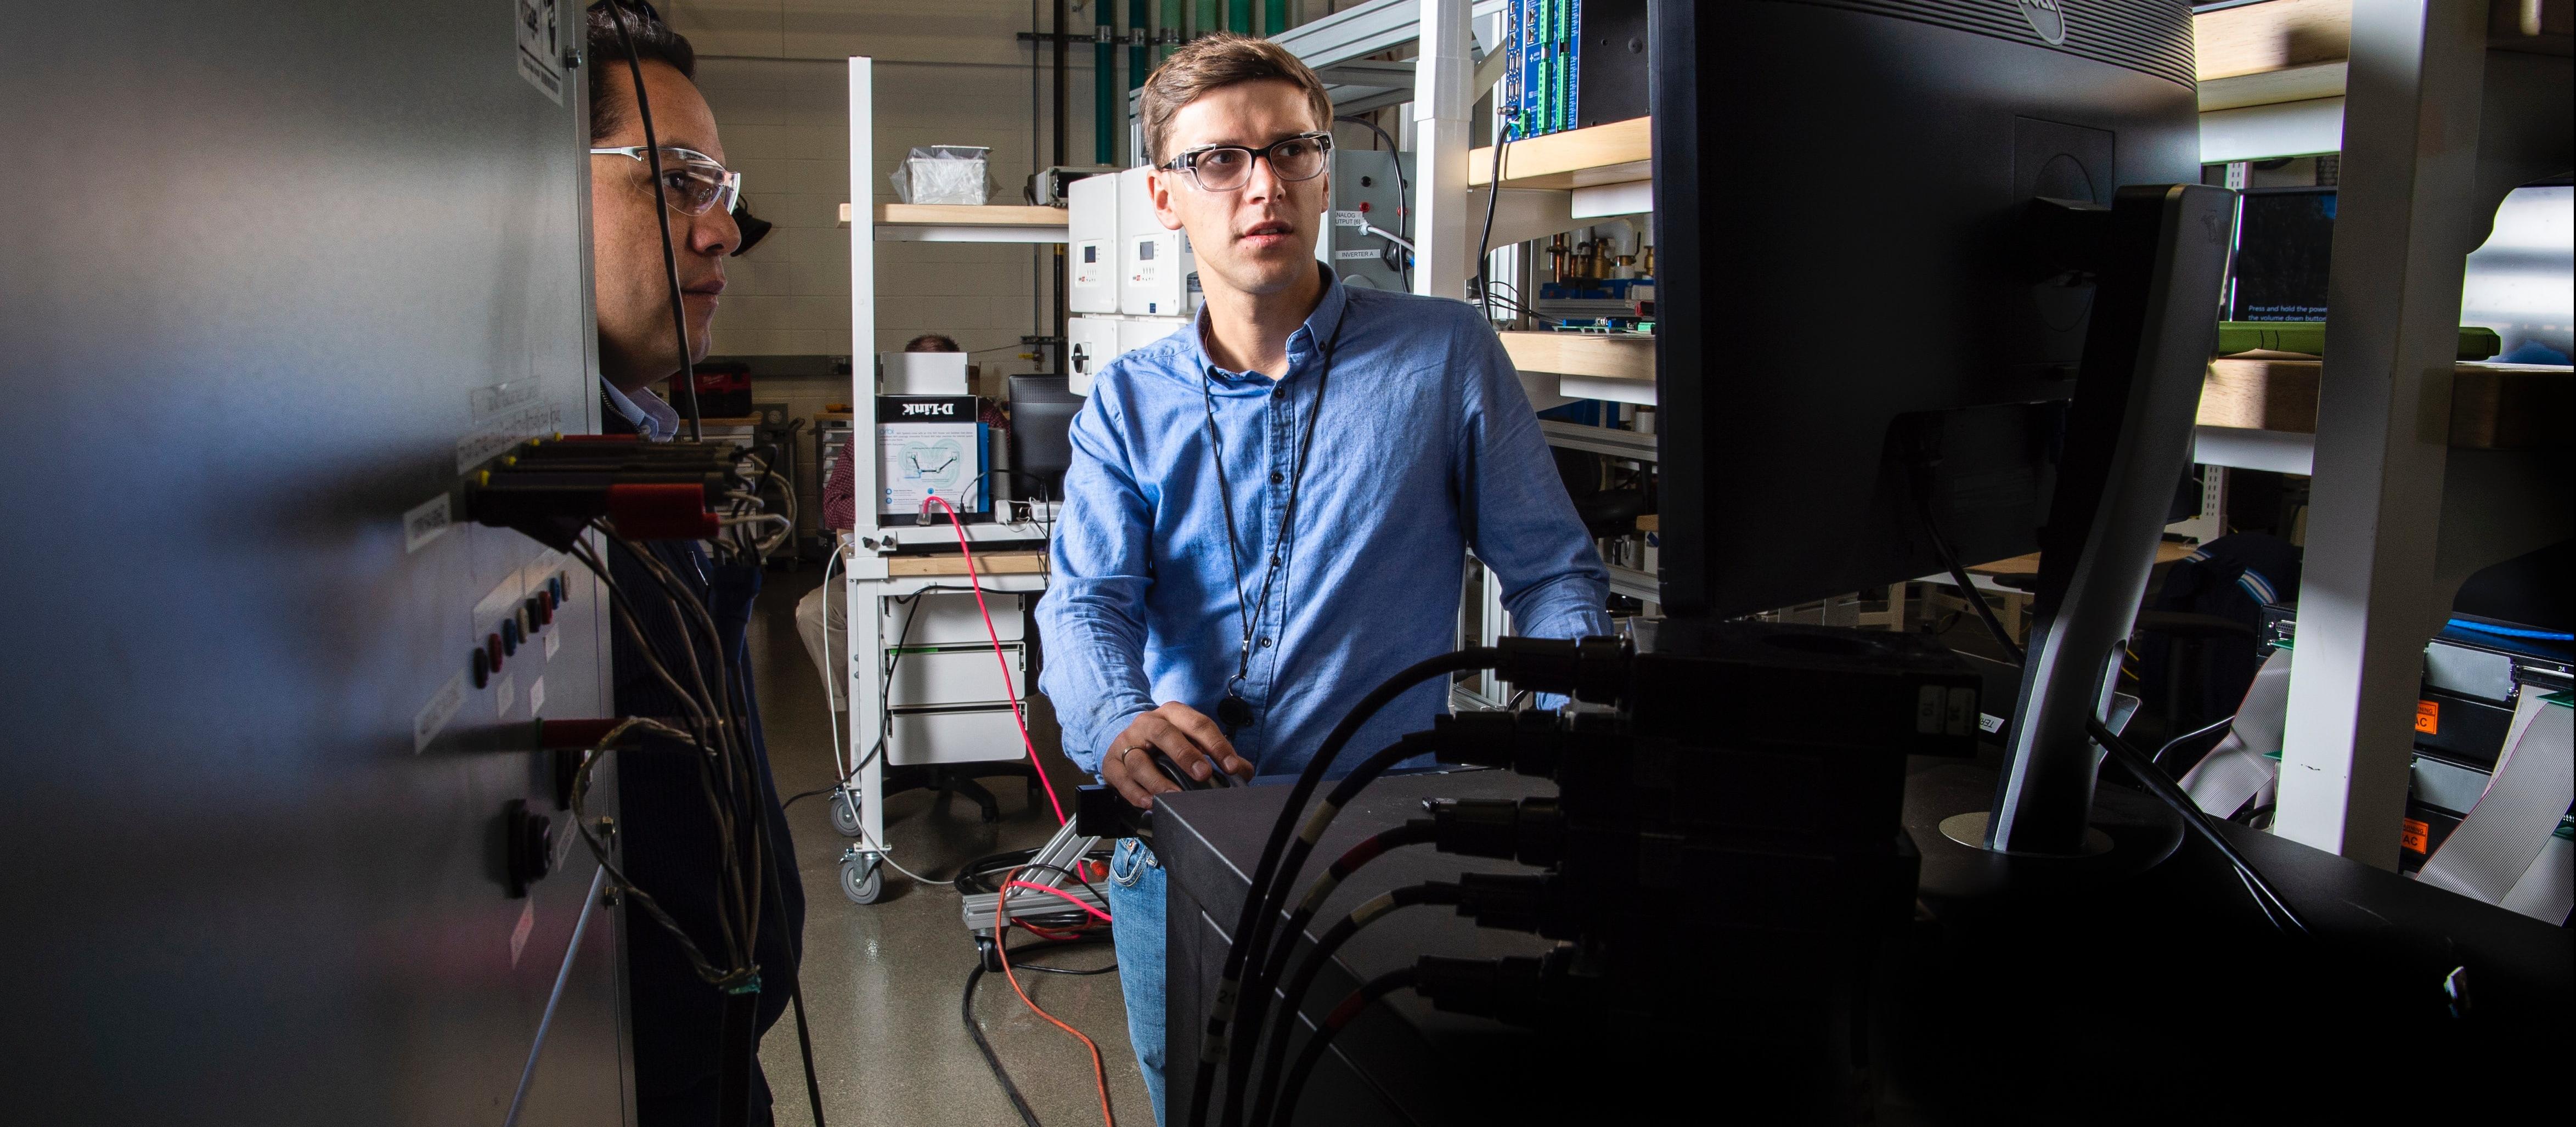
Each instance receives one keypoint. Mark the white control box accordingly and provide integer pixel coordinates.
(1137, 332)
(1091, 250)
(1092, 342)
(1158, 276)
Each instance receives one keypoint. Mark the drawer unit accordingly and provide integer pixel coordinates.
(948, 618)
(967, 735)
(956, 675)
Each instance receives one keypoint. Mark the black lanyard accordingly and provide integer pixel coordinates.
(1234, 712)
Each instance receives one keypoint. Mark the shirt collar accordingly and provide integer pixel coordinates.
(1308, 338)
(652, 418)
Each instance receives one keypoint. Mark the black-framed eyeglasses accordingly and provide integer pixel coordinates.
(693, 182)
(1224, 168)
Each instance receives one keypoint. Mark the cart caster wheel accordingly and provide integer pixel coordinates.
(845, 813)
(986, 951)
(862, 881)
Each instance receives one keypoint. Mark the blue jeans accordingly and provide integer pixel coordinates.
(1136, 922)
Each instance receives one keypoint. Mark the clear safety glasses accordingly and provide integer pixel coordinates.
(692, 182)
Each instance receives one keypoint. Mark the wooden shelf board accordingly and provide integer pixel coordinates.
(2167, 551)
(965, 215)
(2273, 87)
(2275, 35)
(2493, 406)
(986, 563)
(1583, 354)
(1617, 153)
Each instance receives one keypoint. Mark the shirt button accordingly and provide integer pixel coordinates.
(1276, 477)
(1265, 643)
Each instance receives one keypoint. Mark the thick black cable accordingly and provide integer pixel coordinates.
(1269, 959)
(992, 1060)
(688, 380)
(2182, 804)
(1401, 978)
(2158, 759)
(795, 984)
(1275, 1056)
(1256, 898)
(1484, 242)
(1958, 573)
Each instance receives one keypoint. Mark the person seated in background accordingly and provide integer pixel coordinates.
(820, 618)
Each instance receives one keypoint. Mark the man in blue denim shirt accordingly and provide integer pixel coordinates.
(1243, 555)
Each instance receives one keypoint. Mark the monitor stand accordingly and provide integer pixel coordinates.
(2159, 253)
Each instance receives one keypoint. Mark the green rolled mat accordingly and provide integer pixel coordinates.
(2309, 337)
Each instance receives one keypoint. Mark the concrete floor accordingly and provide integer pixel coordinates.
(882, 981)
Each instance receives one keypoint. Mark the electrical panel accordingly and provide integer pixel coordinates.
(1578, 63)
(1159, 277)
(1366, 234)
(1542, 85)
(307, 861)
(1091, 251)
(1092, 344)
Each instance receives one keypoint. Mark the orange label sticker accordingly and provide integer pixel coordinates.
(2428, 717)
(2413, 835)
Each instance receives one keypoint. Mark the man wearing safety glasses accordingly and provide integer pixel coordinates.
(672, 847)
(1267, 511)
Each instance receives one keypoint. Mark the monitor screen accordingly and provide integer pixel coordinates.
(1042, 410)
(2284, 241)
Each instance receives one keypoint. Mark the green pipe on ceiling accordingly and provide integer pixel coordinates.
(1274, 16)
(1139, 13)
(1238, 15)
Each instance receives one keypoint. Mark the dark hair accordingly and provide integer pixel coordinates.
(654, 42)
(931, 342)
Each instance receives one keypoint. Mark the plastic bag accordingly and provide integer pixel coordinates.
(951, 174)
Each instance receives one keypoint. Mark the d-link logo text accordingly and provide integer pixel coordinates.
(930, 409)
(2046, 19)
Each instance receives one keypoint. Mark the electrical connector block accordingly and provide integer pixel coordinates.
(1593, 670)
(551, 488)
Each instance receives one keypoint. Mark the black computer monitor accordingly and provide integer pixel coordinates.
(1042, 410)
(1933, 273)
(1838, 189)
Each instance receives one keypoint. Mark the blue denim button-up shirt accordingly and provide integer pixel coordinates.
(1426, 446)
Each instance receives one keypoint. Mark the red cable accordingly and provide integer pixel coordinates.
(1002, 950)
(1060, 894)
(977, 582)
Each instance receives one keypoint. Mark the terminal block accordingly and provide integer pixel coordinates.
(551, 488)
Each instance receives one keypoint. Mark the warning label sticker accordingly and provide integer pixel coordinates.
(2413, 835)
(541, 36)
(2428, 717)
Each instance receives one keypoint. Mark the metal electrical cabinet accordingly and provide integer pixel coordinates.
(295, 267)
(1365, 241)
(1091, 249)
(1159, 276)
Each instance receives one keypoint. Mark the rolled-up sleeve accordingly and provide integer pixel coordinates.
(1519, 519)
(1092, 620)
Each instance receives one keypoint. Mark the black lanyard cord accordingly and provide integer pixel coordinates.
(1284, 546)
